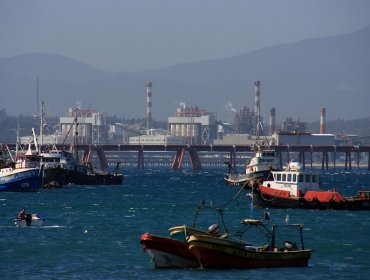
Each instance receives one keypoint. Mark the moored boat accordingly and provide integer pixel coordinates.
(297, 188)
(226, 253)
(173, 251)
(260, 166)
(23, 175)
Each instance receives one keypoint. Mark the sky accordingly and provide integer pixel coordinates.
(138, 35)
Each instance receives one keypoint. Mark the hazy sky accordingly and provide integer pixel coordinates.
(133, 35)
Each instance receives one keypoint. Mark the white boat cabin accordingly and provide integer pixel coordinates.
(27, 161)
(263, 160)
(54, 158)
(294, 180)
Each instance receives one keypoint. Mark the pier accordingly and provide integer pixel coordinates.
(174, 155)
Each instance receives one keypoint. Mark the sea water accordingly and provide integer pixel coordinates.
(93, 232)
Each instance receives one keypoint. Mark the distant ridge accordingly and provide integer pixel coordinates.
(297, 78)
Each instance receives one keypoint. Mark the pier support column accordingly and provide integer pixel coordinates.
(195, 161)
(302, 159)
(233, 158)
(348, 163)
(334, 158)
(311, 158)
(102, 159)
(140, 158)
(325, 161)
(86, 156)
(358, 160)
(177, 161)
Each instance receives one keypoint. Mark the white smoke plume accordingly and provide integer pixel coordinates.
(230, 107)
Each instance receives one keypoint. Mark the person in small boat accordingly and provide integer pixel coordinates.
(22, 214)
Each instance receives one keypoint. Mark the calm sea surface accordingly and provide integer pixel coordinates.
(93, 232)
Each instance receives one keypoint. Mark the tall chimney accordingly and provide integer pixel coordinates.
(272, 120)
(257, 108)
(322, 120)
(148, 107)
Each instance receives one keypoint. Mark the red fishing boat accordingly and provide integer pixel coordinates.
(297, 188)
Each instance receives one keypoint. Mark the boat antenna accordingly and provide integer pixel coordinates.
(37, 96)
(75, 136)
(42, 116)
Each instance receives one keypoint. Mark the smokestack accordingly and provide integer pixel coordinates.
(257, 108)
(148, 106)
(272, 120)
(322, 120)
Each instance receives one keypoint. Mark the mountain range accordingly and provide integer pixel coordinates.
(298, 79)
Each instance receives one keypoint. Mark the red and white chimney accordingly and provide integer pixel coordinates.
(322, 120)
(148, 106)
(257, 109)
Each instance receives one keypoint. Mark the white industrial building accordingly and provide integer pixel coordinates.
(92, 128)
(198, 126)
(303, 139)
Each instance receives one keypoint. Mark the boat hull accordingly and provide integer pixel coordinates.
(242, 179)
(27, 180)
(264, 197)
(167, 252)
(217, 253)
(79, 178)
(53, 177)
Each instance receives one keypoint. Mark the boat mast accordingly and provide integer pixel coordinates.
(17, 142)
(75, 136)
(42, 115)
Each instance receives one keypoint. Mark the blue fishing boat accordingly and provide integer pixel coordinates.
(28, 179)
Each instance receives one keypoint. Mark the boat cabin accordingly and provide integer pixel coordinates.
(263, 160)
(294, 180)
(27, 161)
(54, 158)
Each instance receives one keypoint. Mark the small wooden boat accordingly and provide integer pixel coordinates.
(226, 253)
(173, 251)
(30, 220)
(297, 188)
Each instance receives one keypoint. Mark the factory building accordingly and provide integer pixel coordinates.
(92, 128)
(303, 139)
(195, 125)
(291, 126)
(244, 121)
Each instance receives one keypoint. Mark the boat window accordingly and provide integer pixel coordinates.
(294, 178)
(289, 177)
(284, 177)
(278, 177)
(314, 178)
(307, 178)
(300, 178)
